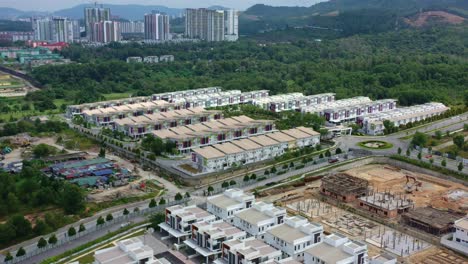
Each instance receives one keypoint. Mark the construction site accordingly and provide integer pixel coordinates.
(424, 190)
(408, 205)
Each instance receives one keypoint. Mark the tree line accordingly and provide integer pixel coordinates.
(414, 66)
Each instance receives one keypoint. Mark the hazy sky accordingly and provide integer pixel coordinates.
(53, 5)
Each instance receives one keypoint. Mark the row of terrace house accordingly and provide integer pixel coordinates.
(350, 113)
(139, 126)
(292, 101)
(108, 115)
(233, 97)
(78, 109)
(189, 137)
(373, 124)
(168, 96)
(134, 106)
(227, 155)
(320, 108)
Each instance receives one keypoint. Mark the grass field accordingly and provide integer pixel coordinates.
(375, 144)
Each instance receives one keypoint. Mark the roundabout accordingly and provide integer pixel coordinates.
(375, 144)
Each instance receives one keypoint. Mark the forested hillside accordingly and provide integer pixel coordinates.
(414, 66)
(348, 17)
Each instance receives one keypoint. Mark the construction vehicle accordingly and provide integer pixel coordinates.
(6, 150)
(410, 187)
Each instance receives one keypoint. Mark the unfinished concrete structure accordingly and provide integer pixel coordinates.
(431, 220)
(344, 187)
(386, 204)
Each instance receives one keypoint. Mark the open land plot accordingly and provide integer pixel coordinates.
(436, 192)
(436, 256)
(378, 237)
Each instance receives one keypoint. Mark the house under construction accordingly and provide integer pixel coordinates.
(344, 187)
(386, 204)
(431, 220)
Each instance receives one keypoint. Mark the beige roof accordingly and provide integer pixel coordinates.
(170, 114)
(161, 102)
(124, 121)
(213, 124)
(280, 137)
(264, 140)
(163, 134)
(156, 116)
(140, 119)
(209, 152)
(196, 109)
(184, 112)
(180, 130)
(121, 108)
(242, 119)
(229, 122)
(462, 223)
(296, 133)
(94, 111)
(228, 148)
(246, 144)
(308, 130)
(198, 127)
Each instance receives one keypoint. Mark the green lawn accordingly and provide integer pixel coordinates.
(115, 96)
(378, 144)
(454, 149)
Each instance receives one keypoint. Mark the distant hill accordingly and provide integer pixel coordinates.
(131, 12)
(426, 18)
(347, 16)
(12, 13)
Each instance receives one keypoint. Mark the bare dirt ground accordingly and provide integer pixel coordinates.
(436, 192)
(424, 18)
(436, 256)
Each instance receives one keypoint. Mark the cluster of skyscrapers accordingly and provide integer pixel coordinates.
(212, 25)
(203, 24)
(55, 29)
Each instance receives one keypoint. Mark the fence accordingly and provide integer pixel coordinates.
(240, 183)
(95, 228)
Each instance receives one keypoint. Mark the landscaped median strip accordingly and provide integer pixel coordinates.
(86, 248)
(303, 175)
(104, 245)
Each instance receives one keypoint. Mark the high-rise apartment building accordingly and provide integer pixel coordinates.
(205, 24)
(55, 29)
(231, 25)
(215, 25)
(132, 27)
(105, 31)
(157, 26)
(93, 15)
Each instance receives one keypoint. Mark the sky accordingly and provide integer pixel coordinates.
(54, 5)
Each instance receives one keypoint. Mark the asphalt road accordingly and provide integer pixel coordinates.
(77, 242)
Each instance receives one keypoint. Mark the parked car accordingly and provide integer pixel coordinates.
(333, 160)
(428, 156)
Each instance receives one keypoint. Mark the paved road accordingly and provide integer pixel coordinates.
(77, 242)
(450, 124)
